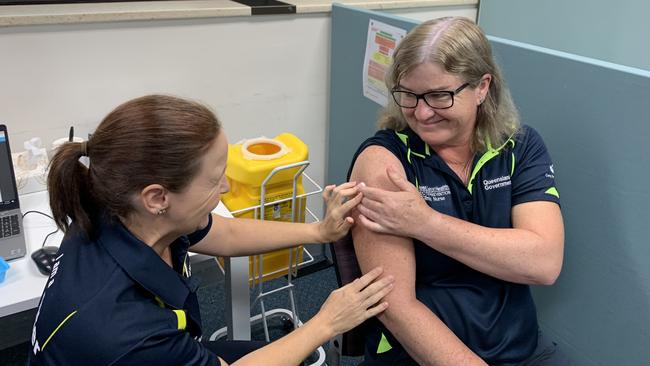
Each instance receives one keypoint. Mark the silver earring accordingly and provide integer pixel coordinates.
(162, 211)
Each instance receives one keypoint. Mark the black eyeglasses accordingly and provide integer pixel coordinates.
(438, 99)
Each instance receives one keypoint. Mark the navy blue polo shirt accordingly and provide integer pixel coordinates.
(495, 318)
(113, 301)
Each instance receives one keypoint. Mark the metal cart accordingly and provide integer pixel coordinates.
(288, 316)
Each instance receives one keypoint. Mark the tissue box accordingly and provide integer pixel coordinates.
(4, 266)
(28, 181)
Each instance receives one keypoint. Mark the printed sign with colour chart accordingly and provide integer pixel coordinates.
(381, 43)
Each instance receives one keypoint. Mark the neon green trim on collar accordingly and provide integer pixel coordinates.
(487, 156)
(484, 159)
(384, 346)
(405, 140)
(416, 154)
(403, 137)
(553, 192)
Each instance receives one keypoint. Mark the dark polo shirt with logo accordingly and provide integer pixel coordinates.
(495, 318)
(113, 301)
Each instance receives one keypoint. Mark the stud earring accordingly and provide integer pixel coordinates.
(162, 211)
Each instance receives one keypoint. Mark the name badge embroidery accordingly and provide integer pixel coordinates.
(435, 194)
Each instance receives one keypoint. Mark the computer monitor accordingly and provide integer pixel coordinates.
(12, 239)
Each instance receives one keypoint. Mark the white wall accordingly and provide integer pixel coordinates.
(257, 77)
(261, 74)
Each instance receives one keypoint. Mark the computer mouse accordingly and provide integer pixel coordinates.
(45, 258)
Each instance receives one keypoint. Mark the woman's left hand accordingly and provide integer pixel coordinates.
(340, 200)
(400, 212)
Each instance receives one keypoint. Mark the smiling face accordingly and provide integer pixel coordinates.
(441, 127)
(189, 208)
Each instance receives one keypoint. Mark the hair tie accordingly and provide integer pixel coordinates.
(84, 148)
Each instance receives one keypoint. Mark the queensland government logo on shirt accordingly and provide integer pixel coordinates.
(434, 194)
(495, 183)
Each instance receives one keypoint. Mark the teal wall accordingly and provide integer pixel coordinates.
(599, 308)
(613, 31)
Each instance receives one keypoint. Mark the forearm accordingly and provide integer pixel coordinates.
(514, 255)
(426, 338)
(531, 252)
(291, 349)
(237, 237)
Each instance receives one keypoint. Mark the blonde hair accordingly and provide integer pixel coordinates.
(460, 47)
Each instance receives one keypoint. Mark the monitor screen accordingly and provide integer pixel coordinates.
(8, 193)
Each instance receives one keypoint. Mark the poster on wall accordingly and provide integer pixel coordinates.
(381, 43)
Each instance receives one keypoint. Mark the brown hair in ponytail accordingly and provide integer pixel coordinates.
(67, 183)
(152, 139)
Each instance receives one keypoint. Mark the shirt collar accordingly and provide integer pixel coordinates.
(416, 148)
(414, 143)
(144, 265)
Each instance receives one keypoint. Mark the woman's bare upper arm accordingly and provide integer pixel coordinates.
(217, 242)
(395, 254)
(544, 218)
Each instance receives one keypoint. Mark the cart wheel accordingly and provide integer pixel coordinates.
(287, 323)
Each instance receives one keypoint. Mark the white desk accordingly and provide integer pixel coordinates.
(24, 284)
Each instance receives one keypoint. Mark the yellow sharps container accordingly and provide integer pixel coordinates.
(249, 163)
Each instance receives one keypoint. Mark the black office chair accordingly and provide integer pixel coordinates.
(347, 270)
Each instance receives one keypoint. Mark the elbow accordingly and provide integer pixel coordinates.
(549, 264)
(546, 279)
(549, 277)
(548, 272)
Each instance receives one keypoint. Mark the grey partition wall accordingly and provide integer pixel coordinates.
(614, 31)
(594, 119)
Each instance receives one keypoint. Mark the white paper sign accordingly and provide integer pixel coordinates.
(381, 43)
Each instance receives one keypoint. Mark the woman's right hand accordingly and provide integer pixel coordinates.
(352, 304)
(399, 213)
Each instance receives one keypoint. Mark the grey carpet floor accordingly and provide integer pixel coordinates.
(310, 293)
